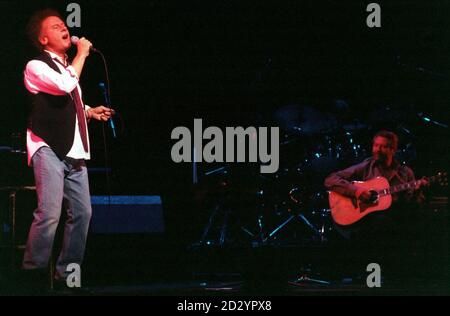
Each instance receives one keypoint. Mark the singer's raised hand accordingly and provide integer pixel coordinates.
(100, 113)
(83, 48)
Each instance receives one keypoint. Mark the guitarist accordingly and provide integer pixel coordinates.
(382, 163)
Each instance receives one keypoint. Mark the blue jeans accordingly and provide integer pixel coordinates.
(58, 184)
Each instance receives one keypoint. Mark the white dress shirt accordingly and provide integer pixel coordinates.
(39, 77)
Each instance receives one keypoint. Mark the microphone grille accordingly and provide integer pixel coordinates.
(74, 40)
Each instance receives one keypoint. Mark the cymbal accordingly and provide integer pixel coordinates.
(356, 126)
(304, 119)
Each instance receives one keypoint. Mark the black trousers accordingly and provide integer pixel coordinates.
(390, 238)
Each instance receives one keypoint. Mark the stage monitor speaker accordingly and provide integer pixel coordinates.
(126, 214)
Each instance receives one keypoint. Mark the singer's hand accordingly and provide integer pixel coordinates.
(100, 113)
(83, 46)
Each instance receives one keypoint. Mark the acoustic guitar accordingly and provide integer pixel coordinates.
(346, 210)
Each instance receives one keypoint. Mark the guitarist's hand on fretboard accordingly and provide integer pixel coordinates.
(424, 182)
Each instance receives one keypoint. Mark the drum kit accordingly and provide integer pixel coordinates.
(313, 144)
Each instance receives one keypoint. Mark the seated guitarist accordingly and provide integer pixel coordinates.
(382, 163)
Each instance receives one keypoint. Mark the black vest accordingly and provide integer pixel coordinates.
(52, 117)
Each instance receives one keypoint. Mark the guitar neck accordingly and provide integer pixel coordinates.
(403, 187)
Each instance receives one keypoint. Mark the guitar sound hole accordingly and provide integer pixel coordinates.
(373, 197)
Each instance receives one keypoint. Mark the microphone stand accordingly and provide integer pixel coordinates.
(108, 104)
(106, 94)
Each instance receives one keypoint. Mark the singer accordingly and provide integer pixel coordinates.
(58, 146)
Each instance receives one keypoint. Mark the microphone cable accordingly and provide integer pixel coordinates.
(107, 96)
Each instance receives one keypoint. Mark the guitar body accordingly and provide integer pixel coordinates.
(346, 210)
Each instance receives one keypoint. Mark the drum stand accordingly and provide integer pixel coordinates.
(318, 232)
(221, 211)
(304, 278)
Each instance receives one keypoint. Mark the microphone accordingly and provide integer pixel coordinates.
(75, 39)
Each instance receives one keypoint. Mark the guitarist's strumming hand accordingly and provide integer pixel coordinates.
(363, 195)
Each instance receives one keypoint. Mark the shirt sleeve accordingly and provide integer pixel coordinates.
(341, 181)
(39, 77)
(86, 108)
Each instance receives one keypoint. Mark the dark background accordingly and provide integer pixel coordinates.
(234, 63)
